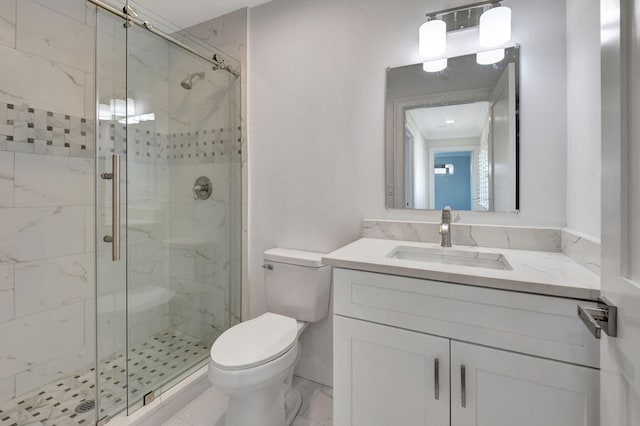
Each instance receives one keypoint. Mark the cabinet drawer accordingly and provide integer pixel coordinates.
(532, 324)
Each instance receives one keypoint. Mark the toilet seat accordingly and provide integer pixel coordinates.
(254, 342)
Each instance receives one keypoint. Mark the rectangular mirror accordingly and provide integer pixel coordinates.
(452, 136)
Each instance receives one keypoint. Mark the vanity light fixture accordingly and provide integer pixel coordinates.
(489, 57)
(432, 44)
(435, 66)
(495, 27)
(450, 121)
(495, 31)
(493, 20)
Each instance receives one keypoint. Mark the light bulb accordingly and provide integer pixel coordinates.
(490, 56)
(433, 39)
(435, 65)
(495, 27)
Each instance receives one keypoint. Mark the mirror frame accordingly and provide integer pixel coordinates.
(395, 110)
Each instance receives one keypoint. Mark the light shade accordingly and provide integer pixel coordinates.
(495, 27)
(435, 65)
(433, 39)
(490, 56)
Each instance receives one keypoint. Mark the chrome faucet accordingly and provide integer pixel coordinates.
(445, 227)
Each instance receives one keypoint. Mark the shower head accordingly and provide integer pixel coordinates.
(187, 83)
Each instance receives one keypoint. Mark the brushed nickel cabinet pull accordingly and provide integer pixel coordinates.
(436, 374)
(463, 388)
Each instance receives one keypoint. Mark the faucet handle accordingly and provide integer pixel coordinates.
(446, 214)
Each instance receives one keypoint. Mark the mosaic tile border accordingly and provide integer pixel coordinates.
(146, 145)
(35, 131)
(29, 130)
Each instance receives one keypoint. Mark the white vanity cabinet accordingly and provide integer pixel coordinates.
(389, 376)
(502, 388)
(504, 358)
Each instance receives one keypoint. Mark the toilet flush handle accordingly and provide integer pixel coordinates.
(268, 266)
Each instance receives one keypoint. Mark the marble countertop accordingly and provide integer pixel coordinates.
(537, 272)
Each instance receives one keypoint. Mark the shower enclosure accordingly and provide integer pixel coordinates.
(120, 198)
(168, 178)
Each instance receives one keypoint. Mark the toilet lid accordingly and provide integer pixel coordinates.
(254, 342)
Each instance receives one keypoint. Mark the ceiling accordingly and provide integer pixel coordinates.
(469, 120)
(186, 13)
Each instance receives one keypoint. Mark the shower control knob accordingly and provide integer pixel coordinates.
(202, 188)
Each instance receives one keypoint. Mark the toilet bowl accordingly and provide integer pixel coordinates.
(253, 362)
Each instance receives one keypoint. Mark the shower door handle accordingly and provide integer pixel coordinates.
(114, 238)
(115, 202)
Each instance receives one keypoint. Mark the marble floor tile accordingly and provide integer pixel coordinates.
(176, 422)
(209, 408)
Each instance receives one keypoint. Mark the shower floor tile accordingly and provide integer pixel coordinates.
(53, 403)
(152, 362)
(158, 358)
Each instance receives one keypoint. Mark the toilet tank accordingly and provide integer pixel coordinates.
(297, 284)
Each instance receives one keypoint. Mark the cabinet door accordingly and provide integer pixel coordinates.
(499, 388)
(388, 376)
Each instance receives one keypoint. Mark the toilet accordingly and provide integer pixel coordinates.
(253, 362)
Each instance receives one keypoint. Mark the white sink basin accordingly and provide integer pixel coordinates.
(451, 257)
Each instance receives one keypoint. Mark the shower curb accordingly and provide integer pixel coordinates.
(168, 403)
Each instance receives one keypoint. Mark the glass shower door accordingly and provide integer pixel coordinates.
(173, 120)
(181, 150)
(111, 271)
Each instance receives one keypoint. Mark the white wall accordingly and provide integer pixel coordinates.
(316, 126)
(583, 116)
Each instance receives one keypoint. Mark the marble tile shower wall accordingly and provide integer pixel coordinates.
(47, 99)
(178, 246)
(46, 192)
